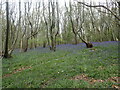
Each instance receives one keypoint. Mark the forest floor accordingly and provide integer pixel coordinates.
(71, 66)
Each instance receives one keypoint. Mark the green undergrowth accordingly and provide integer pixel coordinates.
(58, 69)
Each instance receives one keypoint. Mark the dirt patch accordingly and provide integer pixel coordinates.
(92, 80)
(114, 79)
(17, 70)
(80, 77)
(86, 78)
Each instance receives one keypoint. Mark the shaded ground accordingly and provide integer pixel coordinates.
(71, 66)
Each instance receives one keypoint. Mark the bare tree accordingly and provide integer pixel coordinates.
(79, 27)
(52, 24)
(47, 27)
(72, 23)
(57, 22)
(14, 29)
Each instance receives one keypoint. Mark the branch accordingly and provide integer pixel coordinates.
(103, 7)
(35, 33)
(102, 11)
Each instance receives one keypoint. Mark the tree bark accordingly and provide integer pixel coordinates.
(6, 54)
(119, 7)
(73, 28)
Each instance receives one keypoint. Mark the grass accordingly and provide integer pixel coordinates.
(33, 69)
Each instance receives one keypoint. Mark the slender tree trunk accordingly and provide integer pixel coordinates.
(34, 42)
(51, 24)
(57, 25)
(6, 54)
(47, 27)
(21, 45)
(26, 45)
(31, 44)
(72, 23)
(119, 7)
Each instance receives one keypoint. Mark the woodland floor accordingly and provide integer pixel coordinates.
(71, 66)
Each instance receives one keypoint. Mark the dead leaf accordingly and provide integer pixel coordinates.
(115, 86)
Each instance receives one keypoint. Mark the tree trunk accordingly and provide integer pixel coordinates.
(119, 7)
(21, 45)
(88, 45)
(26, 46)
(76, 39)
(6, 54)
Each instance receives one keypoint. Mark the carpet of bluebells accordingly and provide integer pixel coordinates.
(71, 66)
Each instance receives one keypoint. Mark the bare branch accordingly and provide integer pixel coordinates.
(102, 7)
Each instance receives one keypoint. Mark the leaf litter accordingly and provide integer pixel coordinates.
(93, 81)
(17, 70)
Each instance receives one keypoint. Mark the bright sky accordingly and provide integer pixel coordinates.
(55, 0)
(61, 2)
